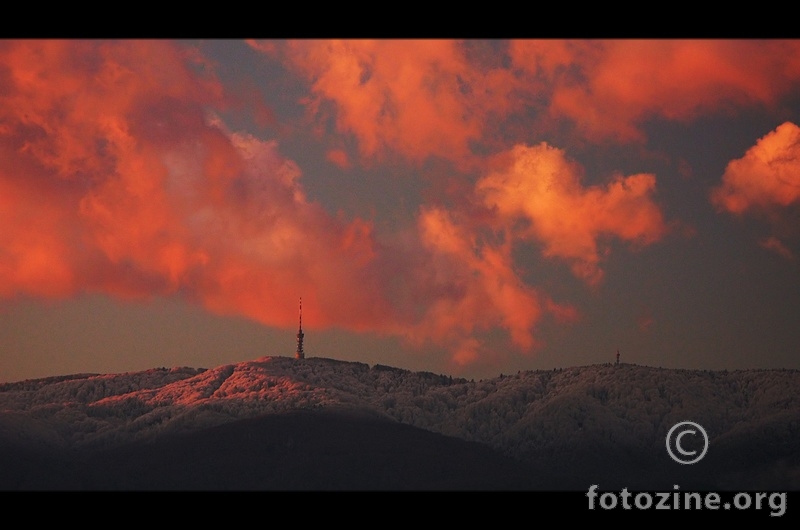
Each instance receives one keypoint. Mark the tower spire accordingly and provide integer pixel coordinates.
(299, 354)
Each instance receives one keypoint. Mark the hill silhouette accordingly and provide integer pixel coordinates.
(282, 423)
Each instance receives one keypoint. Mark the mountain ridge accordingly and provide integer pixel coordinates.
(570, 424)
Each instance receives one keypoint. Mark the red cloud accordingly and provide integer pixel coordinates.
(457, 99)
(118, 178)
(419, 98)
(339, 157)
(35, 251)
(774, 244)
(540, 187)
(766, 176)
(609, 87)
(488, 293)
(66, 133)
(471, 287)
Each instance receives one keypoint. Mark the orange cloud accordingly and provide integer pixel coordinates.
(419, 98)
(774, 244)
(339, 157)
(34, 243)
(117, 177)
(537, 194)
(767, 176)
(467, 352)
(465, 284)
(475, 284)
(66, 133)
(457, 99)
(266, 47)
(609, 87)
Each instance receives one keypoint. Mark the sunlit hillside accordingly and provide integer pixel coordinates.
(571, 427)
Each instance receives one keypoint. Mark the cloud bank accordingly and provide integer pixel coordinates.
(120, 177)
(765, 183)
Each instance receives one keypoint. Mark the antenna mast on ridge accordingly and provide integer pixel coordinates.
(299, 354)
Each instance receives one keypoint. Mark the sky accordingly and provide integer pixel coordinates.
(466, 207)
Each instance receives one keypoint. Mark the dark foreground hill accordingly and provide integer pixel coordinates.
(316, 423)
(291, 451)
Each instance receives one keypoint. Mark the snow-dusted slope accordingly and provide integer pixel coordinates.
(528, 415)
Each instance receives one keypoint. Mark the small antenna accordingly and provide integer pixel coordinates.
(299, 354)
